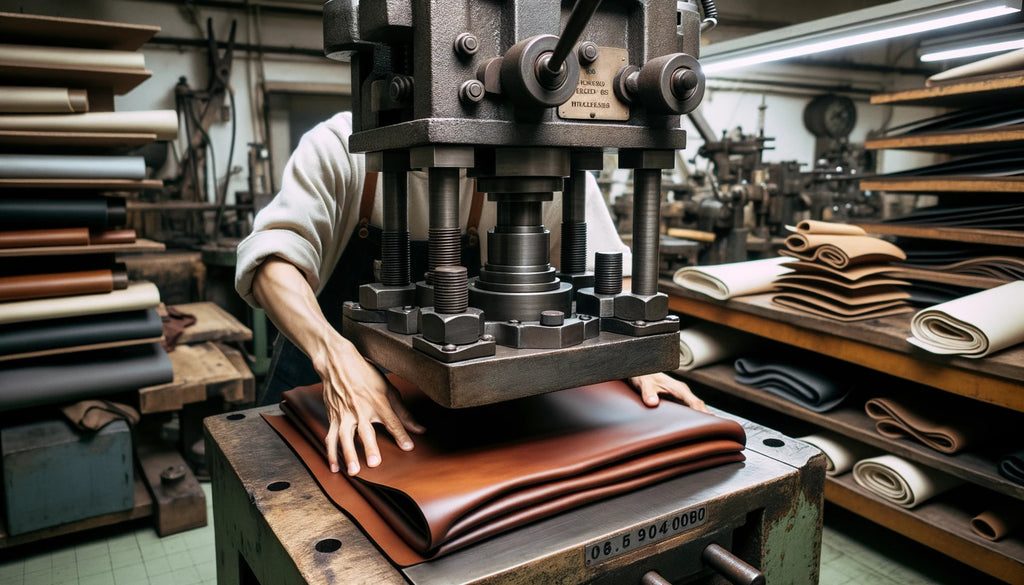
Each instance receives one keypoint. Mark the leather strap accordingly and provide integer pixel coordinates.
(366, 204)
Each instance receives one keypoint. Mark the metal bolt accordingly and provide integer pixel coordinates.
(172, 474)
(587, 52)
(448, 347)
(472, 91)
(683, 82)
(466, 44)
(672, 318)
(639, 323)
(399, 88)
(552, 318)
(584, 317)
(486, 337)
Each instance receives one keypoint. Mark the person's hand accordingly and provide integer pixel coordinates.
(357, 397)
(651, 385)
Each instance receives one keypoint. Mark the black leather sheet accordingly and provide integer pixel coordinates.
(60, 333)
(41, 213)
(816, 383)
(1011, 467)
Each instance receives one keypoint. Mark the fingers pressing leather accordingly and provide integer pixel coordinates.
(332, 445)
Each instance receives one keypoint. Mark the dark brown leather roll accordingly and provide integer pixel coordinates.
(41, 286)
(481, 471)
(112, 237)
(37, 238)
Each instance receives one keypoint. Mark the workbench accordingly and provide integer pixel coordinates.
(274, 525)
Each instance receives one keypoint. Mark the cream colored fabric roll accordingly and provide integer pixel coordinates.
(708, 343)
(972, 326)
(163, 123)
(70, 57)
(814, 226)
(1006, 62)
(840, 452)
(42, 100)
(142, 295)
(901, 482)
(724, 281)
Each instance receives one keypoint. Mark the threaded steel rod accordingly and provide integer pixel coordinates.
(608, 273)
(574, 225)
(395, 239)
(444, 246)
(646, 228)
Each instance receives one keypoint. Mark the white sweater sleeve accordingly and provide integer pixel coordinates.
(601, 233)
(310, 220)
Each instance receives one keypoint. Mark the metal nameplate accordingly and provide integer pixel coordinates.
(647, 533)
(594, 98)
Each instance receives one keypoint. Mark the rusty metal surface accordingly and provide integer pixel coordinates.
(515, 373)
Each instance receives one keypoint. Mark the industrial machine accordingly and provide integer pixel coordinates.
(526, 96)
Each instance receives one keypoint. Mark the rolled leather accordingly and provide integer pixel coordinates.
(42, 100)
(71, 166)
(140, 295)
(819, 386)
(814, 226)
(901, 482)
(62, 284)
(999, 520)
(841, 453)
(35, 336)
(724, 281)
(63, 237)
(71, 57)
(1011, 467)
(163, 123)
(943, 425)
(97, 213)
(82, 375)
(481, 471)
(708, 343)
(840, 251)
(972, 326)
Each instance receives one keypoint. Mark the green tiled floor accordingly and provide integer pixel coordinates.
(854, 552)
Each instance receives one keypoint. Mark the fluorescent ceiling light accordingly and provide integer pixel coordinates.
(982, 42)
(885, 21)
(979, 49)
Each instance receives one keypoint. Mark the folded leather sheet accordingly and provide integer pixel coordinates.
(850, 274)
(972, 326)
(96, 213)
(874, 284)
(139, 295)
(724, 281)
(163, 123)
(42, 100)
(819, 386)
(944, 425)
(82, 375)
(482, 471)
(999, 520)
(830, 309)
(863, 294)
(62, 284)
(1011, 467)
(48, 56)
(839, 251)
(901, 482)
(71, 166)
(840, 452)
(28, 337)
(708, 343)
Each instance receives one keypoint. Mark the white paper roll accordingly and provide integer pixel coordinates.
(901, 482)
(724, 281)
(840, 452)
(141, 295)
(972, 326)
(39, 100)
(70, 57)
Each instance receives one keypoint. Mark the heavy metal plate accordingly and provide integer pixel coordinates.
(594, 98)
(515, 373)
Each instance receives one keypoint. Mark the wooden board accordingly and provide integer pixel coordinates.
(953, 234)
(120, 81)
(95, 184)
(878, 344)
(969, 92)
(212, 324)
(64, 140)
(200, 372)
(140, 245)
(850, 420)
(179, 505)
(78, 348)
(953, 142)
(30, 29)
(936, 524)
(143, 509)
(238, 360)
(950, 184)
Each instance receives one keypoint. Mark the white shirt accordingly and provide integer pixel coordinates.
(310, 220)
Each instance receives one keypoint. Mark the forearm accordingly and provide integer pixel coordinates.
(281, 289)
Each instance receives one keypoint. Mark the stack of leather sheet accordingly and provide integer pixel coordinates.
(977, 118)
(812, 381)
(997, 163)
(840, 273)
(482, 471)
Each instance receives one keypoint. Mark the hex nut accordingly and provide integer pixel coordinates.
(630, 307)
(590, 303)
(457, 328)
(377, 296)
(404, 320)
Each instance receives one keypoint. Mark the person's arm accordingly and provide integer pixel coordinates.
(355, 392)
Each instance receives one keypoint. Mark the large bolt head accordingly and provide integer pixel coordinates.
(630, 307)
(457, 328)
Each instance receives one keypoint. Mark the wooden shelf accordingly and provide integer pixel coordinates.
(850, 420)
(948, 184)
(878, 344)
(95, 184)
(29, 29)
(140, 245)
(938, 524)
(961, 141)
(972, 236)
(67, 140)
(967, 93)
(120, 81)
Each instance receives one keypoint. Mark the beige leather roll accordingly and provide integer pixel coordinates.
(163, 123)
(708, 343)
(901, 482)
(972, 326)
(842, 251)
(841, 453)
(724, 281)
(43, 100)
(71, 57)
(142, 295)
